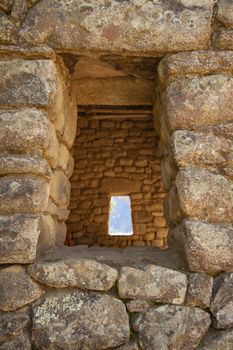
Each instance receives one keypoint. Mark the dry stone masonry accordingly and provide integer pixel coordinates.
(175, 56)
(116, 158)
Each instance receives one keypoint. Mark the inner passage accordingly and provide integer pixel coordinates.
(120, 218)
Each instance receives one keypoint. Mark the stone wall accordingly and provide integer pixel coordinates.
(80, 303)
(83, 304)
(38, 124)
(116, 157)
(195, 122)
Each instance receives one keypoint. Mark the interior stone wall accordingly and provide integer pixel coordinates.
(116, 157)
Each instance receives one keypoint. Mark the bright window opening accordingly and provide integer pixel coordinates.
(120, 221)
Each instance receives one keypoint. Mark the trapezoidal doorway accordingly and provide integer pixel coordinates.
(116, 154)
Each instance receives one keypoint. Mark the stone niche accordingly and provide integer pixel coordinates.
(174, 55)
(116, 152)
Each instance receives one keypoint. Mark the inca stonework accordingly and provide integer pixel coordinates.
(59, 166)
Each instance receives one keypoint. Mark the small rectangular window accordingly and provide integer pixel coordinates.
(120, 218)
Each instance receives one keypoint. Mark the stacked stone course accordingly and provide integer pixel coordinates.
(114, 157)
(84, 304)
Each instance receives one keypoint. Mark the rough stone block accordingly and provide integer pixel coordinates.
(199, 290)
(138, 305)
(60, 189)
(155, 283)
(205, 195)
(223, 39)
(199, 101)
(132, 345)
(7, 29)
(222, 301)
(81, 273)
(171, 327)
(70, 127)
(21, 342)
(18, 236)
(170, 26)
(120, 186)
(207, 247)
(225, 12)
(46, 240)
(199, 149)
(16, 288)
(218, 340)
(12, 324)
(195, 62)
(102, 319)
(23, 194)
(28, 131)
(31, 83)
(24, 165)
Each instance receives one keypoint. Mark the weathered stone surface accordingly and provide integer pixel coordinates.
(60, 189)
(169, 26)
(92, 321)
(23, 165)
(22, 342)
(223, 39)
(7, 29)
(23, 194)
(171, 327)
(199, 101)
(70, 127)
(12, 324)
(205, 195)
(199, 149)
(195, 62)
(207, 247)
(15, 138)
(222, 301)
(138, 305)
(199, 290)
(18, 238)
(16, 288)
(30, 82)
(221, 340)
(118, 91)
(47, 236)
(119, 186)
(155, 283)
(225, 12)
(132, 345)
(81, 273)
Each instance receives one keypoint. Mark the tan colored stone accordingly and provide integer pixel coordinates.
(199, 149)
(60, 189)
(31, 83)
(70, 113)
(23, 165)
(12, 324)
(159, 327)
(223, 39)
(117, 91)
(154, 283)
(23, 194)
(47, 236)
(7, 29)
(138, 305)
(21, 342)
(199, 290)
(169, 27)
(18, 238)
(149, 236)
(199, 101)
(207, 247)
(16, 288)
(205, 195)
(120, 186)
(225, 13)
(102, 319)
(15, 138)
(218, 340)
(81, 273)
(195, 62)
(64, 156)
